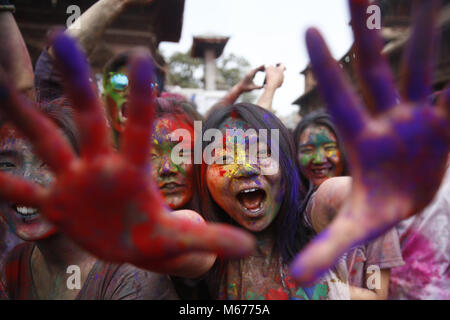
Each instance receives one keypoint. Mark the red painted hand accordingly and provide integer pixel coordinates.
(106, 200)
(397, 149)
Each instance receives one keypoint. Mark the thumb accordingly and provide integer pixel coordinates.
(323, 252)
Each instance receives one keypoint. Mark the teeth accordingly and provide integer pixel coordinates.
(250, 190)
(26, 211)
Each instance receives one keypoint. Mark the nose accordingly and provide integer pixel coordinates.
(166, 167)
(247, 170)
(319, 157)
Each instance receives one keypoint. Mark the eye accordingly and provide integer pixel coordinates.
(227, 159)
(306, 150)
(330, 147)
(44, 166)
(264, 153)
(5, 165)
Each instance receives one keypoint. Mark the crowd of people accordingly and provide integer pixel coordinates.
(352, 204)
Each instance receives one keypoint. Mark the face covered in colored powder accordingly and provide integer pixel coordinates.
(319, 155)
(116, 93)
(17, 158)
(237, 185)
(175, 181)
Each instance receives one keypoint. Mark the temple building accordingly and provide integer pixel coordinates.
(396, 19)
(146, 26)
(208, 48)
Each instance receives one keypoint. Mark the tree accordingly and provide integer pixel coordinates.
(187, 72)
(184, 70)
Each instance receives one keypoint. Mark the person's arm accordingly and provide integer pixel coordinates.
(245, 85)
(274, 80)
(14, 57)
(92, 24)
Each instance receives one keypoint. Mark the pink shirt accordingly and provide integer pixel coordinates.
(425, 243)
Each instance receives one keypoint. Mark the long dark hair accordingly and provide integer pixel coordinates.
(289, 231)
(61, 113)
(316, 118)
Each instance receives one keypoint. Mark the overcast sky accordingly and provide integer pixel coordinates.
(267, 32)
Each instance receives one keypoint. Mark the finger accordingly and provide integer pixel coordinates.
(182, 235)
(44, 135)
(224, 240)
(281, 65)
(255, 87)
(377, 83)
(417, 65)
(341, 100)
(20, 191)
(255, 71)
(260, 68)
(91, 119)
(136, 141)
(323, 252)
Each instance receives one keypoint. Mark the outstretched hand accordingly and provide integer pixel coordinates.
(106, 200)
(397, 148)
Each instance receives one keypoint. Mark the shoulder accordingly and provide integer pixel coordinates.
(327, 200)
(385, 251)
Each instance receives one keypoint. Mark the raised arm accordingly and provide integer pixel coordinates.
(92, 24)
(245, 85)
(14, 57)
(274, 80)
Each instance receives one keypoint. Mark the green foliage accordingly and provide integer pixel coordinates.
(183, 70)
(232, 69)
(187, 72)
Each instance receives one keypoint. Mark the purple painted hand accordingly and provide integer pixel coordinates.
(397, 148)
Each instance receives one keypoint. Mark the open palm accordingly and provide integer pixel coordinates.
(397, 147)
(106, 200)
